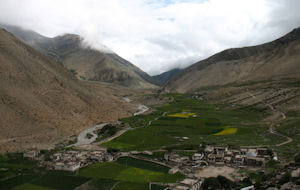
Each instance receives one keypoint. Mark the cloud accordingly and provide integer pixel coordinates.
(158, 35)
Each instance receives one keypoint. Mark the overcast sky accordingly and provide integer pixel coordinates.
(158, 35)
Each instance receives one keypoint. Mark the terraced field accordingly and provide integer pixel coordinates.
(125, 173)
(204, 122)
(129, 170)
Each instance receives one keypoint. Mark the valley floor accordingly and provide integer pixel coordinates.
(181, 127)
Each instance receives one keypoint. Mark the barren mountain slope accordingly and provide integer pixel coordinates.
(87, 63)
(164, 77)
(277, 59)
(41, 102)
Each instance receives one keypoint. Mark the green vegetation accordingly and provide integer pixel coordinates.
(219, 182)
(297, 158)
(128, 161)
(28, 186)
(131, 186)
(155, 155)
(16, 181)
(247, 128)
(107, 131)
(44, 181)
(100, 184)
(89, 135)
(63, 182)
(157, 187)
(121, 172)
(140, 120)
(289, 127)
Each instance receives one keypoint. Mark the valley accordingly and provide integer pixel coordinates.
(183, 128)
(74, 117)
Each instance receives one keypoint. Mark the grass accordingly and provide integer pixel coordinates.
(101, 184)
(16, 181)
(126, 172)
(128, 161)
(62, 182)
(289, 127)
(28, 186)
(47, 181)
(249, 128)
(121, 172)
(157, 187)
(155, 155)
(131, 186)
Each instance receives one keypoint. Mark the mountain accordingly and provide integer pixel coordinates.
(163, 78)
(85, 62)
(42, 103)
(274, 60)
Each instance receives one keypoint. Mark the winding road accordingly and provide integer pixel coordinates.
(272, 128)
(141, 109)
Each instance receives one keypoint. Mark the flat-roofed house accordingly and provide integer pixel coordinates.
(209, 149)
(239, 160)
(220, 150)
(211, 158)
(197, 156)
(193, 184)
(228, 160)
(71, 166)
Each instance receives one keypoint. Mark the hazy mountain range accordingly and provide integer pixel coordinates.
(85, 62)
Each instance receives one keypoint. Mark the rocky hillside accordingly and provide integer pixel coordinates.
(274, 60)
(42, 103)
(85, 62)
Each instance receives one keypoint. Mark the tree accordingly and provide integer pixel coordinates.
(211, 183)
(225, 183)
(297, 158)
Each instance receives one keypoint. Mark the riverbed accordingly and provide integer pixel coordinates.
(82, 138)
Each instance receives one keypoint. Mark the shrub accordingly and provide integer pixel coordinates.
(211, 183)
(297, 158)
(225, 183)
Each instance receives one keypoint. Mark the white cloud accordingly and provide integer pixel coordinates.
(158, 35)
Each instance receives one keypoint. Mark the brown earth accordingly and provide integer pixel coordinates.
(85, 62)
(275, 60)
(42, 103)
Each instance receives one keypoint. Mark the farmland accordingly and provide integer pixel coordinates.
(204, 122)
(125, 173)
(129, 170)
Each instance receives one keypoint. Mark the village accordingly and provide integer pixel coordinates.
(72, 160)
(217, 155)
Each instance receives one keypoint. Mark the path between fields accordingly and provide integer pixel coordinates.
(119, 133)
(141, 109)
(156, 162)
(272, 128)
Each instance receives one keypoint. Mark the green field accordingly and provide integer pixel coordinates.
(210, 119)
(131, 186)
(125, 173)
(290, 127)
(128, 161)
(132, 170)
